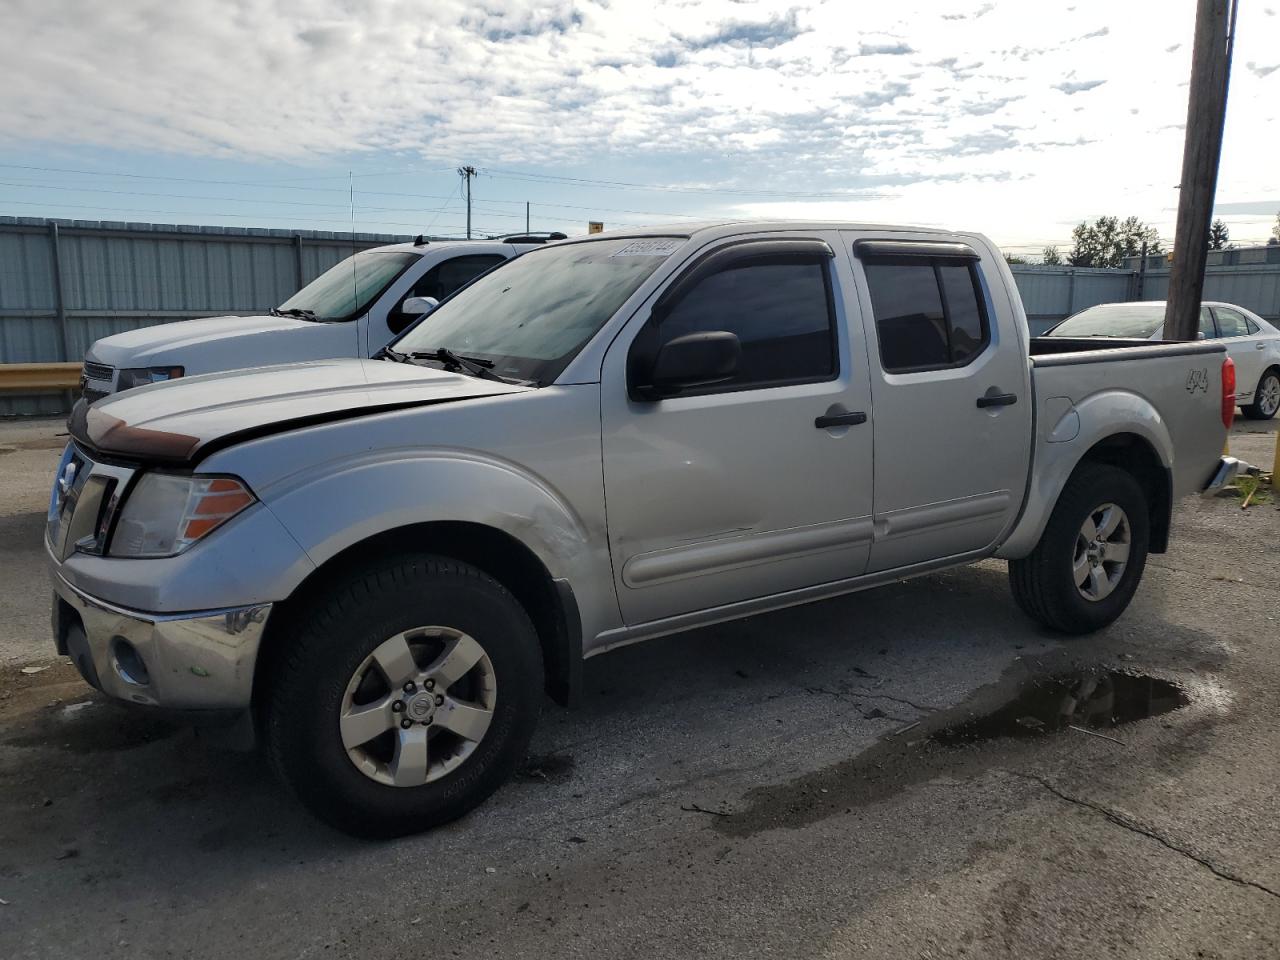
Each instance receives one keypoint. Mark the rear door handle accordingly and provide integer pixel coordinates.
(840, 420)
(1259, 346)
(997, 399)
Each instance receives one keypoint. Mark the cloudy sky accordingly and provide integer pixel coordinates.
(1013, 117)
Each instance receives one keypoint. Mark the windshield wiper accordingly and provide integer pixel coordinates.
(386, 353)
(294, 312)
(443, 355)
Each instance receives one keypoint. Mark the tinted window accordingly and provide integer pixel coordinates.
(448, 275)
(928, 313)
(780, 312)
(440, 281)
(964, 314)
(1231, 323)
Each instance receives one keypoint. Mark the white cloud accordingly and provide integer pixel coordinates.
(1010, 116)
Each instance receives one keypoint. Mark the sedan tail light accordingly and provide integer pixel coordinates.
(1228, 392)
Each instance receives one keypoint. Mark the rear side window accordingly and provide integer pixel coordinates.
(1206, 324)
(448, 275)
(929, 312)
(1231, 323)
(781, 313)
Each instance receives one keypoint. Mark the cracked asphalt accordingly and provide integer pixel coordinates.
(772, 787)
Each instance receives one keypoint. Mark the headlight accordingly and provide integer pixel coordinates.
(141, 376)
(166, 514)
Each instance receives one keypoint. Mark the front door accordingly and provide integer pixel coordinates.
(949, 383)
(741, 489)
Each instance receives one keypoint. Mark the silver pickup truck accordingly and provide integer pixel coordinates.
(381, 564)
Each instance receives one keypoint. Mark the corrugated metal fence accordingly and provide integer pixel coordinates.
(1051, 293)
(67, 283)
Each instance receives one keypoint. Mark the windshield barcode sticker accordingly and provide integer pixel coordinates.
(662, 247)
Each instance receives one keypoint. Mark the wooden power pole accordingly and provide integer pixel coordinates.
(1206, 113)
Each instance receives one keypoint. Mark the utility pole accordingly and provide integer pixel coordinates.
(468, 172)
(1206, 114)
(1142, 273)
(526, 216)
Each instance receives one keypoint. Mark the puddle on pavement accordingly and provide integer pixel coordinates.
(1049, 704)
(1012, 710)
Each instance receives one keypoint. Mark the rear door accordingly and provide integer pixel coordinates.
(949, 383)
(743, 489)
(1245, 346)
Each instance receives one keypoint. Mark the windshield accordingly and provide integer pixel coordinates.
(345, 290)
(531, 315)
(1110, 320)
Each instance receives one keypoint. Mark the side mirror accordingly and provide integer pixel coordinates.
(694, 360)
(419, 306)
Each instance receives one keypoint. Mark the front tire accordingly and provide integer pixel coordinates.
(1090, 558)
(405, 697)
(1266, 399)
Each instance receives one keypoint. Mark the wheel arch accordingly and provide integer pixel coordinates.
(549, 601)
(1136, 456)
(1132, 450)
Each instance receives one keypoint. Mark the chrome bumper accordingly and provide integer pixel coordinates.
(1228, 469)
(188, 661)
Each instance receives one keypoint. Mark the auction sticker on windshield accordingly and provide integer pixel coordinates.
(661, 247)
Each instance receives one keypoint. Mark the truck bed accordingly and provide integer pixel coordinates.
(1168, 389)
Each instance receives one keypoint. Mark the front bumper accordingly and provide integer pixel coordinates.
(187, 661)
(1227, 470)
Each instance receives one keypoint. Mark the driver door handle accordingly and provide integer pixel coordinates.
(840, 420)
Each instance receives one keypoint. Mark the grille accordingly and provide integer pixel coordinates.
(83, 503)
(98, 371)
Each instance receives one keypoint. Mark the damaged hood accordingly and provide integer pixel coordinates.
(181, 421)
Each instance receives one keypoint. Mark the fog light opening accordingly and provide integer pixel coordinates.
(128, 663)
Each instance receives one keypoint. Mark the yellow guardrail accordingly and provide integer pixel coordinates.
(39, 376)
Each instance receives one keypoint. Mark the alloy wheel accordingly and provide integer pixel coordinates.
(418, 706)
(1102, 552)
(1269, 395)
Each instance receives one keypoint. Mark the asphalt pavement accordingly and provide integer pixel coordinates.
(854, 778)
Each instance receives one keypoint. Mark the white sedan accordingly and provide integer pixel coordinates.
(1253, 343)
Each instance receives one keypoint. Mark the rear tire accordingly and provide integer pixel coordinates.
(1266, 399)
(371, 637)
(1075, 581)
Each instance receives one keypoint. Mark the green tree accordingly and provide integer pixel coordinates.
(1051, 257)
(1011, 259)
(1108, 240)
(1275, 231)
(1219, 236)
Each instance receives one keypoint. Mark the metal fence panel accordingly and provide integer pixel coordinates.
(1254, 286)
(122, 276)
